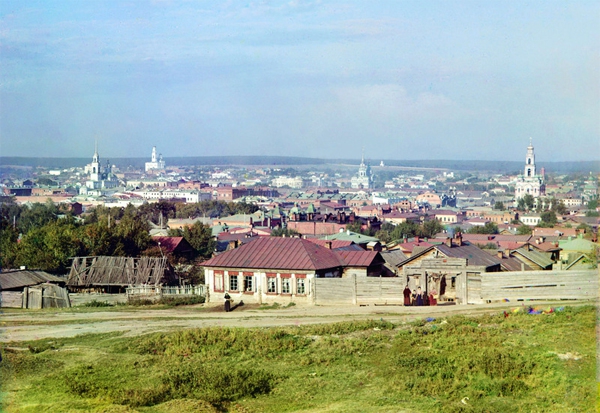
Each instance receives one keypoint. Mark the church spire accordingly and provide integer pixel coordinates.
(95, 157)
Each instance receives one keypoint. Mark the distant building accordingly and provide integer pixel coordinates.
(529, 182)
(100, 177)
(156, 163)
(364, 179)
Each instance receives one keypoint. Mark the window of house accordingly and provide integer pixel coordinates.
(233, 281)
(300, 286)
(248, 282)
(285, 286)
(218, 280)
(271, 285)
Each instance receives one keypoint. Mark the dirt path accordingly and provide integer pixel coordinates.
(25, 325)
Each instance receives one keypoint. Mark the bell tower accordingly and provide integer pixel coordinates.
(529, 161)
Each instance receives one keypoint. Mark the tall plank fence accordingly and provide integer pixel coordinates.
(480, 287)
(359, 290)
(539, 285)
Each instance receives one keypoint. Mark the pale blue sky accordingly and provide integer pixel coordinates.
(404, 79)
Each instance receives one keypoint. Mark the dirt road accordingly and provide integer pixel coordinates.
(26, 325)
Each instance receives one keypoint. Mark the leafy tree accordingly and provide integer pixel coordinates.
(488, 228)
(36, 216)
(383, 235)
(98, 239)
(354, 227)
(526, 203)
(50, 247)
(524, 230)
(132, 235)
(430, 228)
(499, 205)
(548, 219)
(593, 204)
(405, 229)
(8, 244)
(199, 237)
(281, 232)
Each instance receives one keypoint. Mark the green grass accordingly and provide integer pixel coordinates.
(459, 364)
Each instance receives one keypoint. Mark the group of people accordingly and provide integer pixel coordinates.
(418, 297)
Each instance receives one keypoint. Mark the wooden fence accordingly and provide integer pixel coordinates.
(359, 290)
(480, 288)
(539, 285)
(152, 292)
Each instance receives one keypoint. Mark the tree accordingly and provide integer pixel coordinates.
(499, 205)
(132, 235)
(199, 237)
(284, 232)
(50, 247)
(354, 227)
(8, 244)
(488, 228)
(548, 219)
(526, 203)
(524, 230)
(430, 228)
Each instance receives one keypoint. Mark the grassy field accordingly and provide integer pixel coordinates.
(514, 362)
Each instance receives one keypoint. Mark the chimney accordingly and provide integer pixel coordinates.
(459, 239)
(328, 244)
(449, 242)
(500, 255)
(417, 240)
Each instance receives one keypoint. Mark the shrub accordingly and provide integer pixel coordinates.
(95, 303)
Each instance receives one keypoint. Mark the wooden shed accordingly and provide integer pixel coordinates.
(115, 274)
(32, 289)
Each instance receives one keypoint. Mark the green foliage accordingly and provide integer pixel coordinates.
(548, 219)
(429, 228)
(499, 205)
(354, 227)
(187, 380)
(284, 232)
(96, 304)
(488, 228)
(524, 230)
(592, 204)
(200, 238)
(526, 203)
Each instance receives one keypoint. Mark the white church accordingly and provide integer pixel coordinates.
(100, 177)
(364, 178)
(530, 182)
(156, 163)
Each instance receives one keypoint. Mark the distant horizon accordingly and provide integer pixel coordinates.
(290, 161)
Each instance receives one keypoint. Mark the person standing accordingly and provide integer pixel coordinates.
(227, 303)
(419, 297)
(407, 293)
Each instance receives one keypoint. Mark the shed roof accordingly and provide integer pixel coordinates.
(24, 278)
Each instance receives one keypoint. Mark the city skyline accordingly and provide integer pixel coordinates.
(432, 80)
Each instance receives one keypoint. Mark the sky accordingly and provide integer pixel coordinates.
(405, 80)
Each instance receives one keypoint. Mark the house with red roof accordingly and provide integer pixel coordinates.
(282, 270)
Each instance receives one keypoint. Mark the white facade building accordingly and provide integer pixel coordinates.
(100, 177)
(364, 179)
(529, 183)
(156, 162)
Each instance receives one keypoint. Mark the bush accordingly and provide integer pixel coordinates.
(216, 386)
(95, 303)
